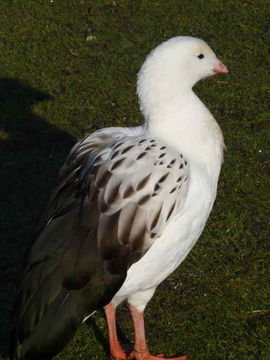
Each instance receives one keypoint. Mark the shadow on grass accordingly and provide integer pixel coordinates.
(31, 151)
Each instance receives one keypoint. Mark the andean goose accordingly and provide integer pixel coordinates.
(129, 205)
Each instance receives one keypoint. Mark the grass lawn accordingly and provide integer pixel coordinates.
(69, 67)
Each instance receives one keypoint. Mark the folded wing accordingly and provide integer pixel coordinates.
(115, 195)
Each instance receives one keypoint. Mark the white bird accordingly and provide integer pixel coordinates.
(129, 206)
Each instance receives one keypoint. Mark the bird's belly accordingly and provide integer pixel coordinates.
(179, 236)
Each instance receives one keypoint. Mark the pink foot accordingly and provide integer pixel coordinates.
(119, 355)
(138, 355)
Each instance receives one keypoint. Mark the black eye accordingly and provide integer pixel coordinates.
(200, 56)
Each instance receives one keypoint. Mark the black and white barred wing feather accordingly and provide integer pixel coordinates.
(115, 195)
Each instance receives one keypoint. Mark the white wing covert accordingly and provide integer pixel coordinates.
(135, 186)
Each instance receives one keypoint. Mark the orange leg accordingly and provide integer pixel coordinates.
(117, 353)
(140, 351)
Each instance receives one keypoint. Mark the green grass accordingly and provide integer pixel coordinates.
(56, 85)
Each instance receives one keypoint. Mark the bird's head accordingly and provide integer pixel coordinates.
(194, 58)
(174, 67)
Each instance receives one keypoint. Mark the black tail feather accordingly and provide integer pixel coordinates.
(51, 334)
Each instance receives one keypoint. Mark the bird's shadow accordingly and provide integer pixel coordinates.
(32, 150)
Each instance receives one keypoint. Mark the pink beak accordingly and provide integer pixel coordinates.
(220, 68)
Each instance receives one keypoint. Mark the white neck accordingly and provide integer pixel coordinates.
(171, 109)
(188, 125)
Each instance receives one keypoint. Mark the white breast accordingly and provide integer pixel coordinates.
(167, 253)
